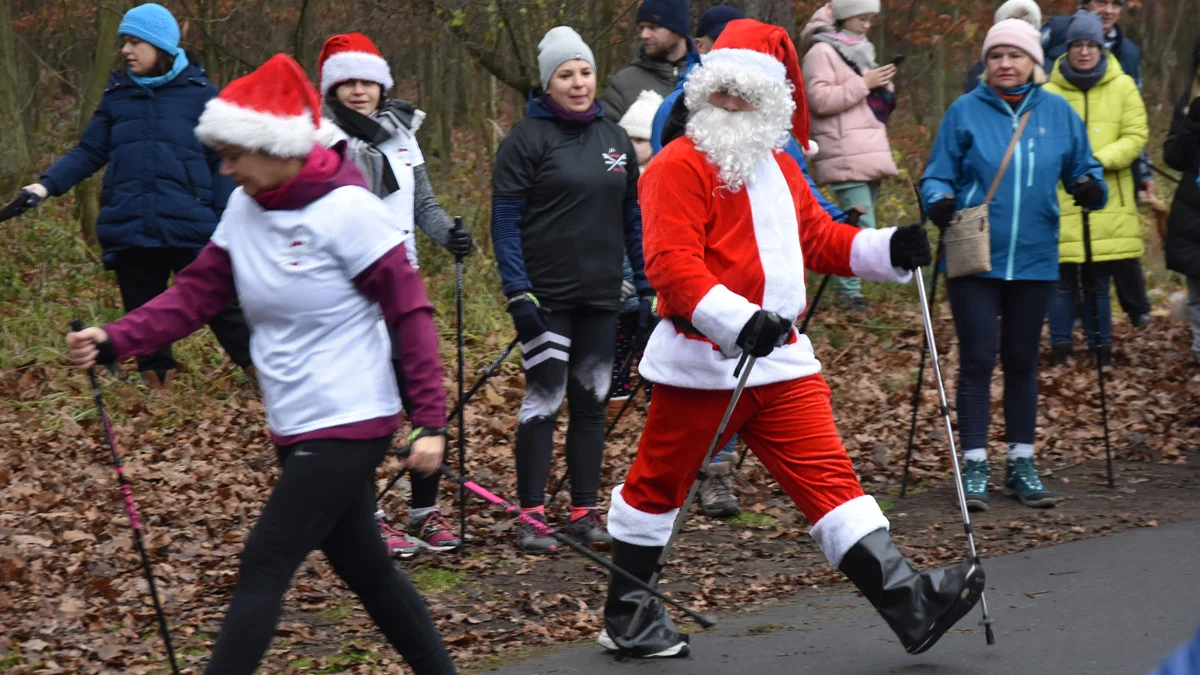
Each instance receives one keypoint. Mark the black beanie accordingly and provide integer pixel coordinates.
(713, 21)
(670, 14)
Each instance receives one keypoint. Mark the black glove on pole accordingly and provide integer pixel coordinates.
(1089, 194)
(527, 316)
(25, 200)
(460, 243)
(941, 212)
(763, 333)
(910, 247)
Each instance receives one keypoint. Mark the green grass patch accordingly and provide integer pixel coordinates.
(885, 505)
(352, 654)
(435, 580)
(303, 663)
(11, 660)
(336, 612)
(751, 519)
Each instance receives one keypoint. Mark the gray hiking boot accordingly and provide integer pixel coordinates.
(530, 541)
(717, 498)
(589, 530)
(975, 484)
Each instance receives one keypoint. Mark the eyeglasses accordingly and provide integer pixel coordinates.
(1084, 47)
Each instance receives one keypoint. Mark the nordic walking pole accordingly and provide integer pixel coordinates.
(1089, 287)
(458, 407)
(808, 315)
(916, 401)
(130, 507)
(462, 425)
(945, 409)
(742, 372)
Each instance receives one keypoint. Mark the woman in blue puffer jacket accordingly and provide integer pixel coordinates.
(1024, 214)
(163, 193)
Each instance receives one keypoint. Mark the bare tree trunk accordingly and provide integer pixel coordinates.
(776, 12)
(86, 194)
(14, 152)
(304, 30)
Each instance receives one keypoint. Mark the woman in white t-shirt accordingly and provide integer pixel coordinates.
(324, 280)
(382, 142)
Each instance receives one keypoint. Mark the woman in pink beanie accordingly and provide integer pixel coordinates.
(1014, 295)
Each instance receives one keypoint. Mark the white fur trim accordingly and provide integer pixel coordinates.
(746, 60)
(812, 148)
(840, 529)
(223, 122)
(674, 359)
(638, 527)
(871, 256)
(329, 133)
(720, 316)
(355, 66)
(777, 234)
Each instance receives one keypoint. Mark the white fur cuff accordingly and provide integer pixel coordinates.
(871, 256)
(638, 527)
(840, 529)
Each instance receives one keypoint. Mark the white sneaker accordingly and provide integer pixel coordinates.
(679, 649)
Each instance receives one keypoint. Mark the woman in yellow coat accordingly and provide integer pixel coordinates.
(1091, 80)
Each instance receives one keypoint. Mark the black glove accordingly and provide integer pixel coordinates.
(647, 310)
(527, 316)
(941, 212)
(1089, 194)
(910, 247)
(853, 214)
(761, 340)
(460, 243)
(25, 200)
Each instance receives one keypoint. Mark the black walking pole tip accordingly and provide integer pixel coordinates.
(76, 325)
(991, 637)
(706, 620)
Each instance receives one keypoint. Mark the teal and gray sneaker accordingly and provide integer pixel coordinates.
(1021, 480)
(975, 484)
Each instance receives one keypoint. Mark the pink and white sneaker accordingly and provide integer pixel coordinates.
(397, 543)
(434, 533)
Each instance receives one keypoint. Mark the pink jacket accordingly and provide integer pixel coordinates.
(852, 144)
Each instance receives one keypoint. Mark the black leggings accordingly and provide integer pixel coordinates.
(324, 499)
(572, 359)
(142, 275)
(1019, 307)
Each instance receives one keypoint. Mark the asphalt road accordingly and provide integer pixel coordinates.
(1117, 604)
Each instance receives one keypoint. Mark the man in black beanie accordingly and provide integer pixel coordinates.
(666, 51)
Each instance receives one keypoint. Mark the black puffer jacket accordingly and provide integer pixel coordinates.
(1182, 153)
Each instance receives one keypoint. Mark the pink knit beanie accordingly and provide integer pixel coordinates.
(1015, 33)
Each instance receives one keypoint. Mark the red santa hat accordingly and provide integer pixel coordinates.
(752, 50)
(273, 110)
(352, 56)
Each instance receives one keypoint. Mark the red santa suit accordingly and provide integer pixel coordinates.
(717, 255)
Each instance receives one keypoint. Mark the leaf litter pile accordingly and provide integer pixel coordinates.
(73, 599)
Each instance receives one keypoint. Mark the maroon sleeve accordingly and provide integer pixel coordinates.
(395, 285)
(201, 291)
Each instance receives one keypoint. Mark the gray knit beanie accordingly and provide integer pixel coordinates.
(1085, 25)
(560, 45)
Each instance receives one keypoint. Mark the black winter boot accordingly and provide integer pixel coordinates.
(655, 634)
(919, 606)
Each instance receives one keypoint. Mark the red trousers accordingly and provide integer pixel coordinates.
(788, 425)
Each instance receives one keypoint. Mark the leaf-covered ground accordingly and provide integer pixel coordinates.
(72, 598)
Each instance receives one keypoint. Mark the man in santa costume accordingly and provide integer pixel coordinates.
(729, 226)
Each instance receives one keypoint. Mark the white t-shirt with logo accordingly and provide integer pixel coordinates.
(321, 348)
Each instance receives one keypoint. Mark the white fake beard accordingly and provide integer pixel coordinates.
(737, 141)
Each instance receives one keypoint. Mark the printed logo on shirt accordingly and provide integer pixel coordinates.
(614, 161)
(297, 249)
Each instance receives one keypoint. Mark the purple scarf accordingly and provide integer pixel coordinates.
(564, 114)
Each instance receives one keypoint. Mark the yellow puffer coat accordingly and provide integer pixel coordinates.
(1115, 117)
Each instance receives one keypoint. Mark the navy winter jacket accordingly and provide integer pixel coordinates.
(162, 187)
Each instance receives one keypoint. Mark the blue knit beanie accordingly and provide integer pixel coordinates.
(151, 23)
(1085, 25)
(670, 14)
(713, 21)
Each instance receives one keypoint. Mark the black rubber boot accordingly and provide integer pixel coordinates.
(655, 635)
(919, 606)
